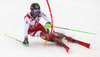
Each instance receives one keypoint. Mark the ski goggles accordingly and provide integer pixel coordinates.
(36, 10)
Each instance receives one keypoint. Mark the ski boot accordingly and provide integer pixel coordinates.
(54, 39)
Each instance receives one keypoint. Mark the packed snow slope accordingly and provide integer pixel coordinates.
(74, 14)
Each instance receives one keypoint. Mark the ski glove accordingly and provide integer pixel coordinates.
(48, 25)
(25, 42)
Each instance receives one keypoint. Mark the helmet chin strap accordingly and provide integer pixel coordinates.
(33, 15)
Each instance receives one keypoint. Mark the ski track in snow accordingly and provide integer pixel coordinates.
(81, 15)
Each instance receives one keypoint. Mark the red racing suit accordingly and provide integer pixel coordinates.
(33, 27)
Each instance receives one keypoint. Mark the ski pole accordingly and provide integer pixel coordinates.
(49, 26)
(12, 38)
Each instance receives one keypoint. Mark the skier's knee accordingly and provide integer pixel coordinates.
(51, 39)
(37, 34)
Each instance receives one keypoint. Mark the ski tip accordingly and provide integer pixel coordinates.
(89, 46)
(4, 34)
(68, 51)
(67, 48)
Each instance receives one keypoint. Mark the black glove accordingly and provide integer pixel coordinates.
(48, 23)
(25, 42)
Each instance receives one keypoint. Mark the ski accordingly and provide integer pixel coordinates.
(87, 45)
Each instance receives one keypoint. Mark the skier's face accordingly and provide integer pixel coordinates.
(36, 11)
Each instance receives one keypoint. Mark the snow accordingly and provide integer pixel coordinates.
(75, 14)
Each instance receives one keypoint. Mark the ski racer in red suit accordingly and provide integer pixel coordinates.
(34, 28)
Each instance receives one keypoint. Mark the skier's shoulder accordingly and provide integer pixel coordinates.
(28, 16)
(43, 14)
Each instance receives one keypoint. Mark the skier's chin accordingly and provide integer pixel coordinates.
(36, 14)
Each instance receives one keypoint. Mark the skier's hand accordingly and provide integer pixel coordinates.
(48, 25)
(25, 42)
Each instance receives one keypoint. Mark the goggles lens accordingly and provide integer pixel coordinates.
(36, 10)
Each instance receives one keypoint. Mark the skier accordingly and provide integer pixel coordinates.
(34, 28)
